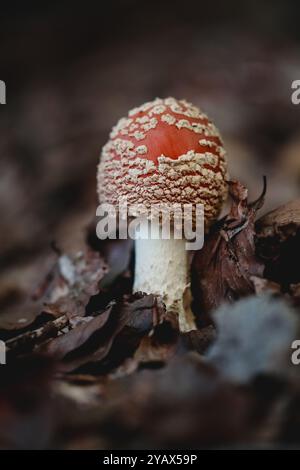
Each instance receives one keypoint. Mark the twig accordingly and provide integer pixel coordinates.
(30, 338)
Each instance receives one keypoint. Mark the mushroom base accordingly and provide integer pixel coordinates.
(162, 268)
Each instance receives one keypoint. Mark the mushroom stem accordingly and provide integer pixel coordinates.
(162, 268)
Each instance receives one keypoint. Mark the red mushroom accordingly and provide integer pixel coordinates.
(165, 151)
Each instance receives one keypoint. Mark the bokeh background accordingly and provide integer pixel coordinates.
(72, 69)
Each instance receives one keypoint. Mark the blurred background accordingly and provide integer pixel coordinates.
(72, 69)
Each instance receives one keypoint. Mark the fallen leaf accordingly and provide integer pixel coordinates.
(278, 238)
(59, 347)
(222, 270)
(116, 252)
(281, 223)
(160, 346)
(111, 335)
(75, 281)
(183, 405)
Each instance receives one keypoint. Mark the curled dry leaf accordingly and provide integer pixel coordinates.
(110, 336)
(20, 304)
(65, 290)
(116, 252)
(75, 281)
(278, 238)
(60, 300)
(30, 339)
(159, 347)
(222, 270)
(59, 347)
(281, 223)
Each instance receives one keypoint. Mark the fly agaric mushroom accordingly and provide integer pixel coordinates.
(165, 151)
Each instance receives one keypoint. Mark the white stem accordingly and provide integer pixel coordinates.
(162, 268)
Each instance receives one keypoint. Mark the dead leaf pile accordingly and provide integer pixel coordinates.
(119, 361)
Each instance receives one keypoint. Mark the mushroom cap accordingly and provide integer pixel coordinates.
(165, 151)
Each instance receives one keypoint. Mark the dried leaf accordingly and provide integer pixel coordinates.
(65, 290)
(183, 405)
(160, 347)
(75, 281)
(59, 347)
(222, 270)
(278, 238)
(116, 252)
(281, 223)
(20, 296)
(28, 341)
(111, 335)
